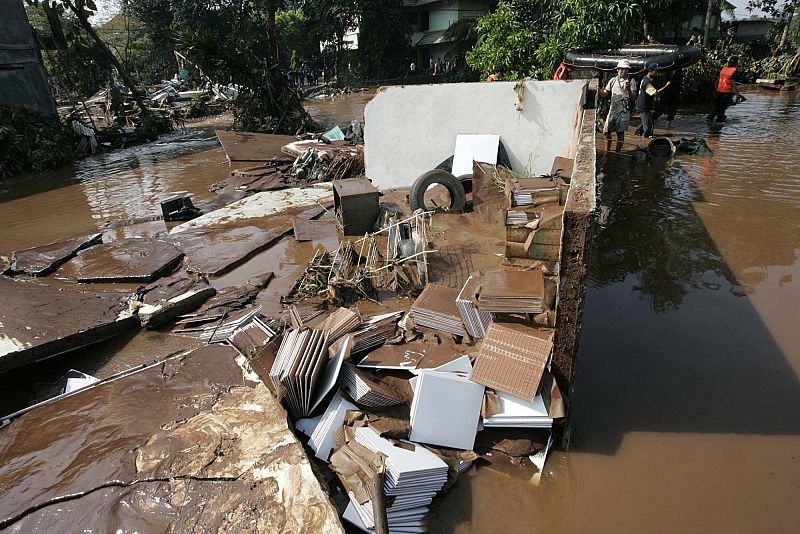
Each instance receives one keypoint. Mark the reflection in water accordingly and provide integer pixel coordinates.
(661, 242)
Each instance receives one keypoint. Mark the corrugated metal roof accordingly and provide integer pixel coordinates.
(433, 37)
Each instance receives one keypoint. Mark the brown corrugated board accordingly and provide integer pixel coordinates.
(512, 284)
(511, 361)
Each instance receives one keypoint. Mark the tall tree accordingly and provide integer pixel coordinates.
(83, 10)
(782, 9)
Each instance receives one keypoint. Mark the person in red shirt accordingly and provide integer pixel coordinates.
(495, 76)
(726, 89)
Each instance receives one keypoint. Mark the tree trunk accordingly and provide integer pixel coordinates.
(646, 30)
(709, 15)
(785, 34)
(272, 34)
(86, 25)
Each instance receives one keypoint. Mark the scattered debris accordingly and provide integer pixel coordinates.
(166, 299)
(179, 209)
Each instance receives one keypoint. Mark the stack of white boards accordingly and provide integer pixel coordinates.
(474, 319)
(515, 217)
(529, 191)
(445, 410)
(297, 369)
(436, 308)
(375, 331)
(320, 429)
(414, 475)
(218, 331)
(365, 389)
(512, 292)
(339, 323)
(517, 413)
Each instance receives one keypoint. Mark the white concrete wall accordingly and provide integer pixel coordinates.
(442, 14)
(411, 129)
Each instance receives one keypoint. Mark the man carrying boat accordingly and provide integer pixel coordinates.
(622, 90)
(726, 88)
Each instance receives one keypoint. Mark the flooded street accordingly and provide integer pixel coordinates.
(685, 412)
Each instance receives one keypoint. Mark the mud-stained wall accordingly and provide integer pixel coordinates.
(412, 129)
(23, 82)
(575, 247)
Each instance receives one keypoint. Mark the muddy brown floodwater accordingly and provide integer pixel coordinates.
(686, 409)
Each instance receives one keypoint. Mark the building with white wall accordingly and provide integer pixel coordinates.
(430, 19)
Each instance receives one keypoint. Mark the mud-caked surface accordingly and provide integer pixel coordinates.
(42, 260)
(126, 260)
(187, 444)
(37, 321)
(215, 251)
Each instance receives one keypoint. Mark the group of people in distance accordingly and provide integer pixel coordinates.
(626, 96)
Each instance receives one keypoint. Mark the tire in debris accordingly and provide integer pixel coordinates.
(466, 182)
(458, 198)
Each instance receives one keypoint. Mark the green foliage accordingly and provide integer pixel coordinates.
(228, 41)
(773, 67)
(155, 124)
(78, 71)
(506, 41)
(197, 108)
(528, 38)
(296, 38)
(30, 142)
(384, 46)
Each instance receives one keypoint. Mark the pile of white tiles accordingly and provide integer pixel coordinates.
(475, 321)
(413, 478)
(518, 413)
(320, 429)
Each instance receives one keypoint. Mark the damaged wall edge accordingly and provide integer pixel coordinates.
(576, 242)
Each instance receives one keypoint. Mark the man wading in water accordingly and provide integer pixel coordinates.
(726, 88)
(622, 90)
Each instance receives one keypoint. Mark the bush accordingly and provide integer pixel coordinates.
(30, 142)
(155, 124)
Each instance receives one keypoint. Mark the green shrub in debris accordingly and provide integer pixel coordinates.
(155, 124)
(777, 66)
(30, 142)
(197, 108)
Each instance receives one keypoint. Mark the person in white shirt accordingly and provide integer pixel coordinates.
(622, 89)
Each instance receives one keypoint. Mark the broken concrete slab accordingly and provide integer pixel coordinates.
(314, 230)
(246, 146)
(168, 298)
(195, 442)
(43, 260)
(214, 251)
(38, 322)
(262, 205)
(127, 260)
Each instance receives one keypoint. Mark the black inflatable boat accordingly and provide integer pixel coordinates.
(667, 57)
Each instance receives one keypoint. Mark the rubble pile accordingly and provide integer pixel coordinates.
(408, 346)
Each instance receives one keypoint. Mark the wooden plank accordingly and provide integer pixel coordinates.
(254, 147)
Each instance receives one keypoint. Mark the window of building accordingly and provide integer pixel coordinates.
(424, 21)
